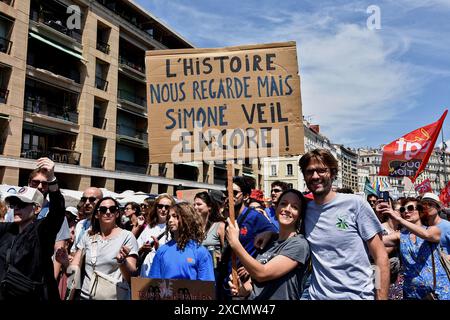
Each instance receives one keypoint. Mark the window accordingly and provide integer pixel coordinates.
(290, 186)
(289, 170)
(273, 170)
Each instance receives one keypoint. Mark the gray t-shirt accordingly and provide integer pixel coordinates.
(337, 233)
(289, 286)
(107, 251)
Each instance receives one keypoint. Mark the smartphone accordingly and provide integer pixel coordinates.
(384, 195)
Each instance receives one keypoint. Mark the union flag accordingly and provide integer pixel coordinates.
(408, 155)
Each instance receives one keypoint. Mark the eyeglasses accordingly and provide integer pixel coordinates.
(91, 199)
(411, 208)
(161, 206)
(35, 183)
(104, 210)
(320, 171)
(17, 204)
(275, 190)
(235, 193)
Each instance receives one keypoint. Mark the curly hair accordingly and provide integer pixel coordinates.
(153, 216)
(190, 226)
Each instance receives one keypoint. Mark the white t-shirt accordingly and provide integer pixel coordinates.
(80, 229)
(107, 251)
(145, 236)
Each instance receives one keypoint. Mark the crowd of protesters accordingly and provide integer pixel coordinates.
(314, 245)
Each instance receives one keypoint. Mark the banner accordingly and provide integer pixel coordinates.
(223, 104)
(424, 187)
(408, 155)
(171, 289)
(444, 196)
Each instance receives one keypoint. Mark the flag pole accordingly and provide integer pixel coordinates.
(443, 156)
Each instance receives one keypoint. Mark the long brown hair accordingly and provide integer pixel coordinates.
(153, 217)
(215, 215)
(95, 224)
(190, 225)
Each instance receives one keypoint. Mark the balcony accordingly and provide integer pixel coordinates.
(132, 132)
(39, 105)
(101, 83)
(5, 45)
(103, 46)
(135, 66)
(55, 22)
(4, 95)
(56, 154)
(131, 97)
(131, 167)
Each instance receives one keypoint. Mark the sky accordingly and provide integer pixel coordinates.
(364, 86)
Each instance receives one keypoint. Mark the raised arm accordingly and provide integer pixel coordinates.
(275, 268)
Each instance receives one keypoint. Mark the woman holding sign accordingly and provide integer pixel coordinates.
(183, 257)
(277, 272)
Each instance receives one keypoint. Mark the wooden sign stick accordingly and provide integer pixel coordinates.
(230, 173)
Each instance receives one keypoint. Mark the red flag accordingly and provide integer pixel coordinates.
(423, 187)
(444, 196)
(408, 155)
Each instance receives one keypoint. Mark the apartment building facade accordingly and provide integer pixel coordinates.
(72, 87)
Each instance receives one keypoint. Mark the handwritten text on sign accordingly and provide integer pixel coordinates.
(220, 104)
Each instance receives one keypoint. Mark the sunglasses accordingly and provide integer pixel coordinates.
(144, 206)
(104, 210)
(161, 206)
(91, 199)
(35, 183)
(17, 204)
(275, 190)
(411, 208)
(235, 193)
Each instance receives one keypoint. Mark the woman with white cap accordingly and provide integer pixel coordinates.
(430, 217)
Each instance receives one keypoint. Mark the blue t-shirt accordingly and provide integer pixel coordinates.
(193, 263)
(253, 224)
(273, 218)
(444, 225)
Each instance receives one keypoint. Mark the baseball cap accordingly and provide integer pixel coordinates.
(27, 195)
(431, 197)
(73, 211)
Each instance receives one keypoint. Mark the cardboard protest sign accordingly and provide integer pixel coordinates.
(188, 195)
(223, 104)
(171, 289)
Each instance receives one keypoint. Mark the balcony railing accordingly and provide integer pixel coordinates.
(103, 46)
(132, 97)
(101, 83)
(59, 70)
(58, 155)
(131, 167)
(132, 132)
(128, 63)
(37, 104)
(4, 95)
(5, 45)
(56, 23)
(125, 15)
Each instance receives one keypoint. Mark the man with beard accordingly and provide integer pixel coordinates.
(88, 201)
(250, 222)
(342, 230)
